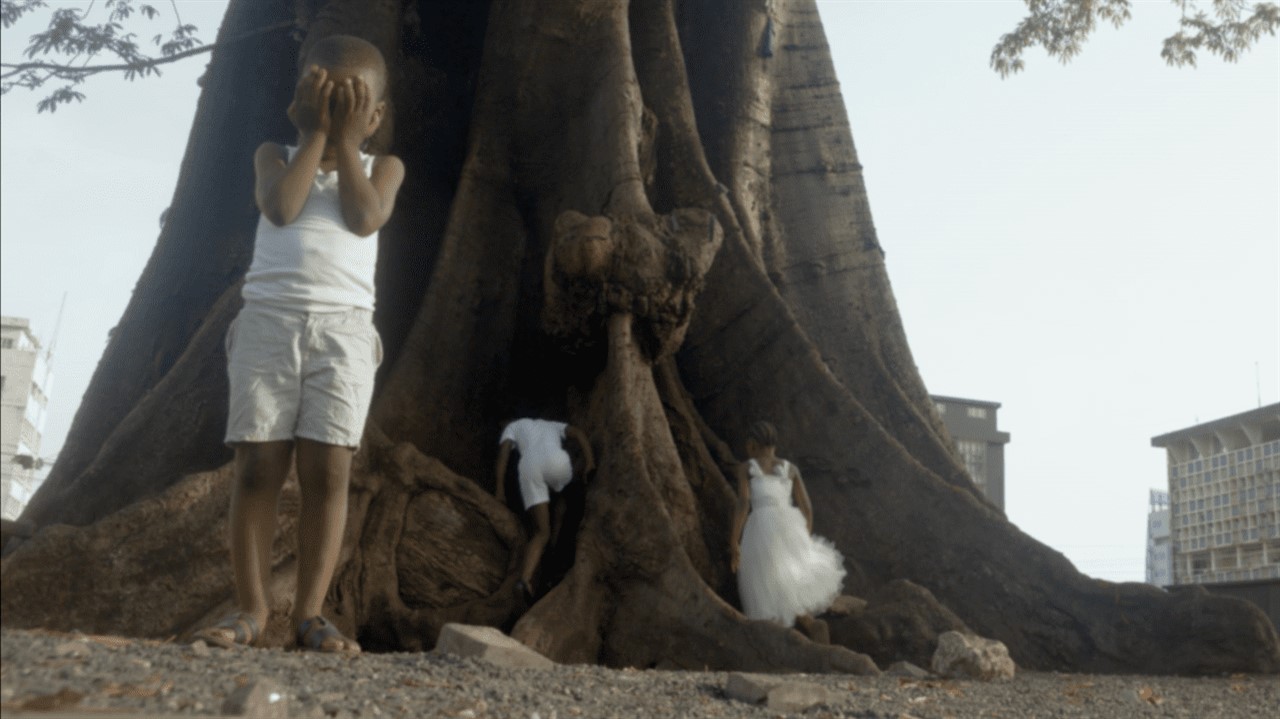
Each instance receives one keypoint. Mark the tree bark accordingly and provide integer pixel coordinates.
(648, 219)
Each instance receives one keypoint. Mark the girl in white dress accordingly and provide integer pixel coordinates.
(784, 572)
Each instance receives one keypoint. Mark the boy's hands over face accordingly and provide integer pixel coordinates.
(309, 110)
(352, 112)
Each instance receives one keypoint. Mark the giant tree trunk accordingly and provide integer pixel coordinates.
(732, 273)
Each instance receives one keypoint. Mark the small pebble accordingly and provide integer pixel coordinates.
(71, 649)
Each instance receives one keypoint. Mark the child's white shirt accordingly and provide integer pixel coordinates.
(315, 263)
(535, 438)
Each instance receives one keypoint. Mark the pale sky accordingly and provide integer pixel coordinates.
(1096, 245)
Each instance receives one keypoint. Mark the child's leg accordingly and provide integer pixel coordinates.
(559, 509)
(261, 468)
(536, 496)
(340, 359)
(541, 516)
(324, 471)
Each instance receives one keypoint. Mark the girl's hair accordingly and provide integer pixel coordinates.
(763, 434)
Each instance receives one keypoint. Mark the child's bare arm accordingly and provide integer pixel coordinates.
(500, 471)
(281, 185)
(584, 443)
(367, 202)
(801, 497)
(739, 517)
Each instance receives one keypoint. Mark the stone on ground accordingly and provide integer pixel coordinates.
(263, 699)
(967, 656)
(798, 696)
(750, 688)
(907, 670)
(71, 648)
(490, 645)
(776, 692)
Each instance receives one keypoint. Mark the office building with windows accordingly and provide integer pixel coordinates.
(1159, 544)
(1224, 497)
(972, 424)
(24, 396)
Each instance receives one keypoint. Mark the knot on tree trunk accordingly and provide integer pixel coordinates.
(649, 267)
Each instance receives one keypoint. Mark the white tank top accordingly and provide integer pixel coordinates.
(315, 263)
(537, 439)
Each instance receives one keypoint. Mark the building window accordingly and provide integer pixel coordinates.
(974, 455)
(977, 412)
(7, 343)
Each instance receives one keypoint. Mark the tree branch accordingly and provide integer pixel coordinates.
(70, 72)
(1062, 26)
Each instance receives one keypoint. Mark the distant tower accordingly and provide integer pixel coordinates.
(24, 395)
(1159, 549)
(972, 424)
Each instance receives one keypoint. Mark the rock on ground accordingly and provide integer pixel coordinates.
(906, 669)
(968, 656)
(778, 692)
(490, 645)
(262, 699)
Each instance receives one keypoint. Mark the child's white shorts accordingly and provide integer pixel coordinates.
(300, 374)
(539, 476)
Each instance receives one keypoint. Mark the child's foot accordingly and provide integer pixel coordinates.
(524, 591)
(239, 629)
(318, 635)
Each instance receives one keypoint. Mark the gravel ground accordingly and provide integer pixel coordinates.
(46, 671)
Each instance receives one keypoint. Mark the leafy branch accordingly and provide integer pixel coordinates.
(71, 42)
(1061, 27)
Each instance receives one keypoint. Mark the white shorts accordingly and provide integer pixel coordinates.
(539, 476)
(300, 374)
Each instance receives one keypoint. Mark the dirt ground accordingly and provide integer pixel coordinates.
(50, 674)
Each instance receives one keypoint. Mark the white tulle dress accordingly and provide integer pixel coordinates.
(783, 570)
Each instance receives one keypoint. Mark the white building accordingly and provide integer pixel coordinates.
(24, 396)
(1224, 498)
(1159, 544)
